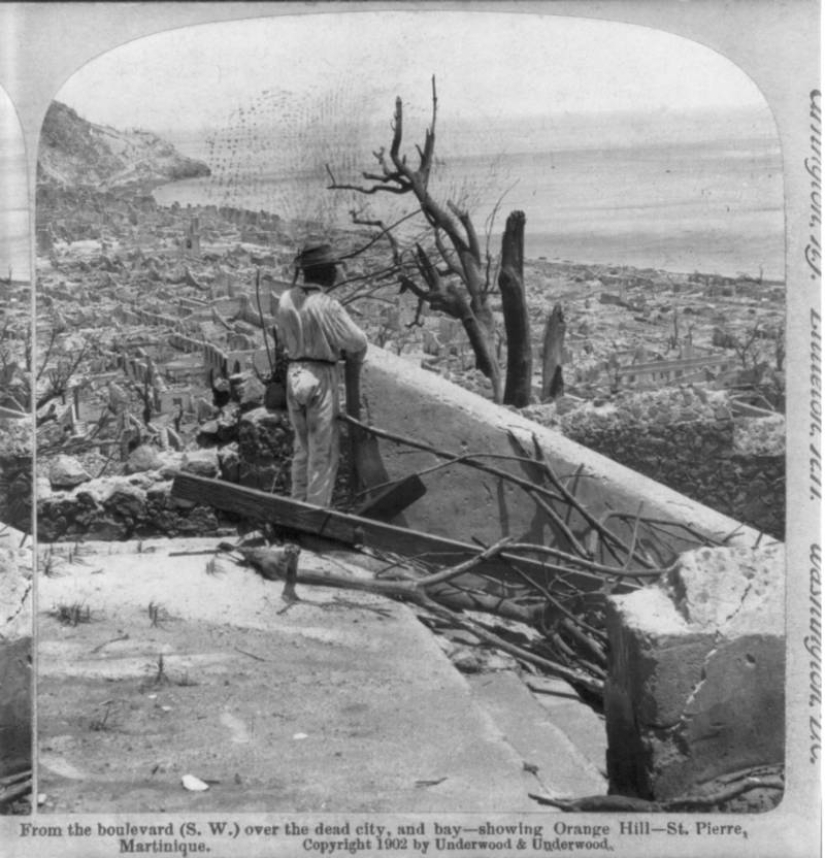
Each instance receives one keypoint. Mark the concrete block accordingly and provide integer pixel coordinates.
(696, 679)
(15, 705)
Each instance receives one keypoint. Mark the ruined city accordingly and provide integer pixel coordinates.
(574, 590)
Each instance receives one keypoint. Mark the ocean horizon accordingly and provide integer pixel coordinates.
(700, 195)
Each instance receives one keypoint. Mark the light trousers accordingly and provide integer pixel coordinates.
(312, 403)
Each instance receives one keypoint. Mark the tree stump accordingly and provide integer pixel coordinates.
(552, 355)
(517, 387)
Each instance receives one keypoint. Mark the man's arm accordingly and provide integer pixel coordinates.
(346, 335)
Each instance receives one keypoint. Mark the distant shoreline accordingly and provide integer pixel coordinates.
(534, 259)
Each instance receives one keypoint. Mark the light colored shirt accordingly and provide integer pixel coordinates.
(313, 325)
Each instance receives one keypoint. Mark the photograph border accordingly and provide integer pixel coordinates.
(778, 46)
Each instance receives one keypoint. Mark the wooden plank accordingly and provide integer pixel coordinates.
(385, 505)
(353, 530)
(367, 467)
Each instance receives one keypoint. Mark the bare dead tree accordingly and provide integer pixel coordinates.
(59, 378)
(453, 276)
(146, 394)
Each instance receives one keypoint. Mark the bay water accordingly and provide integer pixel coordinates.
(703, 195)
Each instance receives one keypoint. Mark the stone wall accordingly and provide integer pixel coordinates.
(254, 451)
(119, 508)
(735, 465)
(15, 473)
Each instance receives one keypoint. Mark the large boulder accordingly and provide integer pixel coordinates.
(66, 472)
(697, 671)
(143, 458)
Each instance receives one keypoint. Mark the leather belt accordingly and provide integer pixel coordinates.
(313, 360)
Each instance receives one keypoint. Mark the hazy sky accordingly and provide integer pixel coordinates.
(487, 65)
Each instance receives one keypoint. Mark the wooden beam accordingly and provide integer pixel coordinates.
(390, 502)
(353, 530)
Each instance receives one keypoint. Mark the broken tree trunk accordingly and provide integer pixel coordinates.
(517, 386)
(470, 306)
(552, 355)
(482, 344)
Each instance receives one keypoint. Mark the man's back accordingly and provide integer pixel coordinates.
(315, 326)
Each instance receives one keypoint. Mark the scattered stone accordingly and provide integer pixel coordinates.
(248, 392)
(202, 463)
(66, 472)
(230, 463)
(143, 458)
(193, 784)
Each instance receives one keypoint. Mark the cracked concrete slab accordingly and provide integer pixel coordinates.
(696, 681)
(342, 703)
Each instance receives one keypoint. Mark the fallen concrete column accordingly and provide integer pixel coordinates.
(696, 677)
(465, 504)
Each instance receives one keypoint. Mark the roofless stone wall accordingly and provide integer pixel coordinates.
(700, 458)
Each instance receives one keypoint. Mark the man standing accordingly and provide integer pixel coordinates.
(314, 330)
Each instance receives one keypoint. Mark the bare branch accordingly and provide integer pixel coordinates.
(398, 126)
(384, 231)
(428, 270)
(381, 157)
(387, 177)
(464, 219)
(49, 347)
(429, 141)
(381, 274)
(374, 189)
(466, 566)
(408, 284)
(446, 255)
